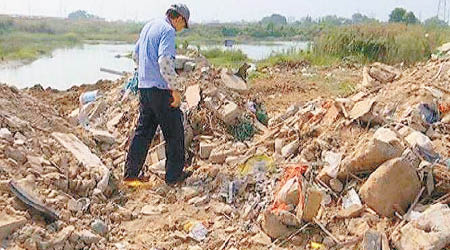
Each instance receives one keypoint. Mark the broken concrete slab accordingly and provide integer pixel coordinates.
(6, 135)
(361, 108)
(383, 146)
(229, 112)
(102, 136)
(394, 183)
(234, 82)
(9, 224)
(193, 95)
(84, 155)
(384, 73)
(205, 149)
(431, 230)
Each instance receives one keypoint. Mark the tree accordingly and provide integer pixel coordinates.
(359, 18)
(397, 15)
(435, 22)
(400, 15)
(82, 14)
(275, 19)
(410, 18)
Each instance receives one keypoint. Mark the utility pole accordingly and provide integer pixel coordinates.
(442, 11)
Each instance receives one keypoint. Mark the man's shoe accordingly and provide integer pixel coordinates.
(181, 179)
(136, 182)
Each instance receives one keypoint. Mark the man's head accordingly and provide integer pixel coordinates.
(179, 16)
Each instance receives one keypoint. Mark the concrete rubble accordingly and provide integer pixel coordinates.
(365, 171)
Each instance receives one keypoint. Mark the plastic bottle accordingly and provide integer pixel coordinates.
(90, 96)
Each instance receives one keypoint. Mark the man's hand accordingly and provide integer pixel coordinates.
(176, 99)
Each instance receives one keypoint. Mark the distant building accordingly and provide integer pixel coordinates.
(229, 43)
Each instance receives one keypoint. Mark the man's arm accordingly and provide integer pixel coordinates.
(167, 69)
(166, 60)
(136, 52)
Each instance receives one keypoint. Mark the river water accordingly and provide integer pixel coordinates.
(81, 65)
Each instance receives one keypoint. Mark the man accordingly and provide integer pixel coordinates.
(160, 97)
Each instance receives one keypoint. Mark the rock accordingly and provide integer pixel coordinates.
(103, 136)
(5, 134)
(384, 73)
(193, 95)
(351, 212)
(288, 218)
(418, 139)
(431, 230)
(311, 206)
(16, 155)
(63, 235)
(273, 227)
(394, 183)
(261, 239)
(229, 112)
(205, 149)
(99, 227)
(88, 237)
(234, 82)
(371, 240)
(112, 123)
(9, 224)
(74, 206)
(336, 185)
(383, 146)
(290, 149)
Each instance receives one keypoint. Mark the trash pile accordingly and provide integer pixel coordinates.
(369, 171)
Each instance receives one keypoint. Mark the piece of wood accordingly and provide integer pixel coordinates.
(114, 72)
(32, 202)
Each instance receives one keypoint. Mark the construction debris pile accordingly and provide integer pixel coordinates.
(367, 171)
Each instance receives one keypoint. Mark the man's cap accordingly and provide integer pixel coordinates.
(183, 10)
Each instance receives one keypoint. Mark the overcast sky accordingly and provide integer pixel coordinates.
(221, 10)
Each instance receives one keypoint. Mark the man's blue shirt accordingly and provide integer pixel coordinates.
(157, 39)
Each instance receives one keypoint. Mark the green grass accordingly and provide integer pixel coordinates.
(225, 58)
(29, 46)
(363, 44)
(387, 43)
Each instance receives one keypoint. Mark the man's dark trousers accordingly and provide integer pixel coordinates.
(154, 110)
